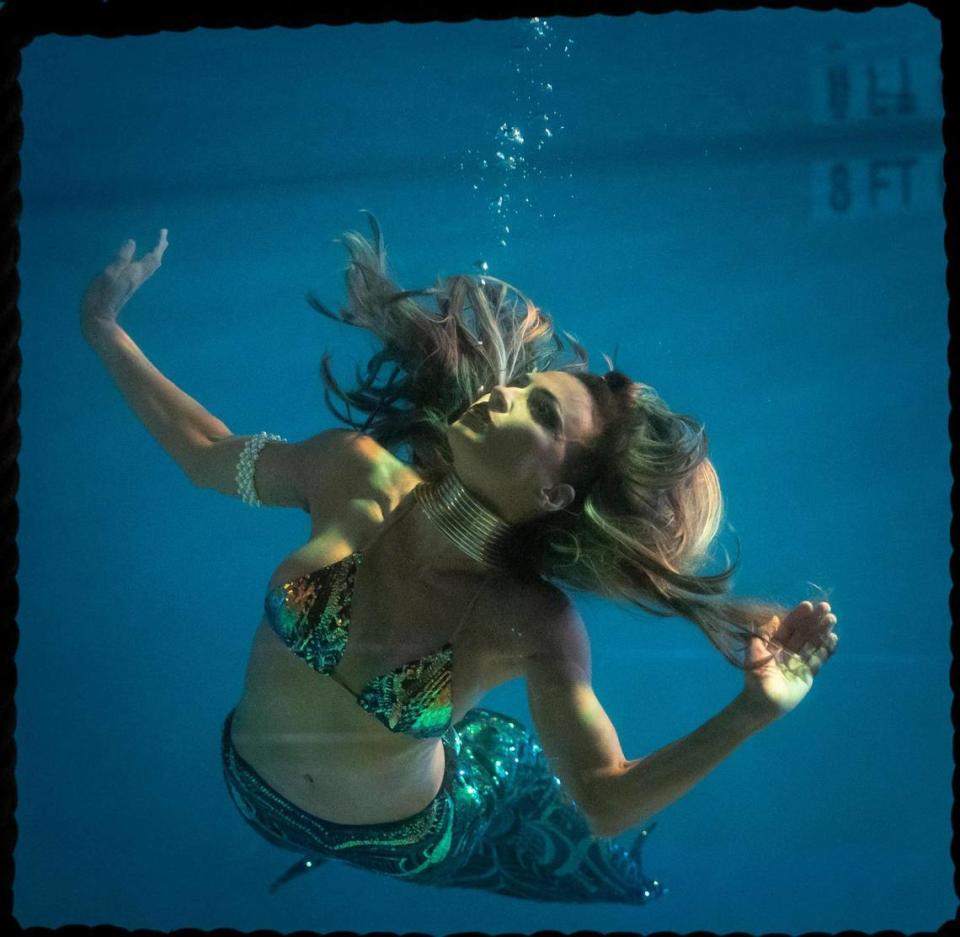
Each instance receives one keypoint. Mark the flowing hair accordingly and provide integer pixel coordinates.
(648, 504)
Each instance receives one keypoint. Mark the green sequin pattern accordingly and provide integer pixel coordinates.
(312, 616)
(415, 698)
(312, 613)
(501, 822)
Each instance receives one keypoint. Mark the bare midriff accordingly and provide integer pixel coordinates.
(307, 737)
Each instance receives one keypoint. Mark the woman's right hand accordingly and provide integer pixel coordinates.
(109, 292)
(803, 641)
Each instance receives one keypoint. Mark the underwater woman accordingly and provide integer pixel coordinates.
(483, 476)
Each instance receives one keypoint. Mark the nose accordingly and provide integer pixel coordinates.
(498, 398)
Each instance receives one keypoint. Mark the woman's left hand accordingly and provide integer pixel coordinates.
(807, 638)
(108, 293)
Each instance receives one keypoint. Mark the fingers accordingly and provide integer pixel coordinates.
(152, 259)
(123, 256)
(808, 630)
(824, 645)
(794, 623)
(816, 652)
(824, 619)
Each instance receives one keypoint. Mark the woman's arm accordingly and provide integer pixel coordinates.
(178, 422)
(288, 475)
(173, 418)
(582, 745)
(583, 748)
(306, 474)
(644, 786)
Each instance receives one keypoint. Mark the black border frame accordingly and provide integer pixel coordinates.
(23, 20)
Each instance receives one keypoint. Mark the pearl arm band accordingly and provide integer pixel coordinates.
(246, 464)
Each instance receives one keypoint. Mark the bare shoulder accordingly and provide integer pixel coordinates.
(550, 626)
(350, 473)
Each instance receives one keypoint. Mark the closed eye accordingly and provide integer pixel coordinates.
(543, 404)
(548, 415)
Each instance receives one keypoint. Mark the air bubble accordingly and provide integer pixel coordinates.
(530, 62)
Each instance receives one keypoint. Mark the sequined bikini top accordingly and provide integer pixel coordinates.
(311, 614)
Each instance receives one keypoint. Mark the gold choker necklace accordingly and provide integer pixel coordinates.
(475, 529)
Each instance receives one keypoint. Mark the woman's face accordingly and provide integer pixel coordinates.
(511, 447)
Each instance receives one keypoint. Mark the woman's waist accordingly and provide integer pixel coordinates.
(339, 774)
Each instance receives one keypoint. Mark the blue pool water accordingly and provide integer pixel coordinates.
(744, 207)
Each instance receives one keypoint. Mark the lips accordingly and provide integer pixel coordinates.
(478, 415)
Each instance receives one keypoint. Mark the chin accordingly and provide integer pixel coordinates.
(466, 443)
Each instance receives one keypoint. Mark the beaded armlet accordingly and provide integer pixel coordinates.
(246, 465)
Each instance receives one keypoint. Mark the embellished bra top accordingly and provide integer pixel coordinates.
(311, 614)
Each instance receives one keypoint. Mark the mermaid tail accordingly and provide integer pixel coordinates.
(502, 822)
(536, 843)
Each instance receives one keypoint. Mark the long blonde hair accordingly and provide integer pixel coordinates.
(648, 505)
